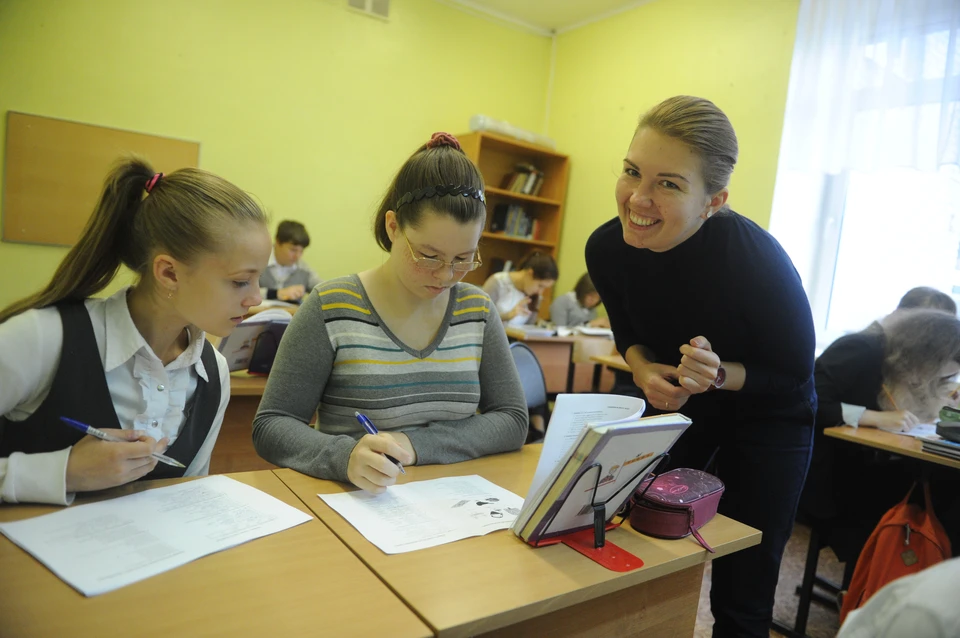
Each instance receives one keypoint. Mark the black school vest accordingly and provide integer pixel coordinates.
(80, 391)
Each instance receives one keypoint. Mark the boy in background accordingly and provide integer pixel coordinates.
(288, 277)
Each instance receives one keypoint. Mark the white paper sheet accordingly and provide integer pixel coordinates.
(427, 513)
(921, 430)
(571, 413)
(101, 546)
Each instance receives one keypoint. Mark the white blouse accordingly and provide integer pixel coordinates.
(505, 297)
(146, 394)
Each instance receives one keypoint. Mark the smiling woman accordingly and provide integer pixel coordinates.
(702, 299)
(421, 353)
(137, 364)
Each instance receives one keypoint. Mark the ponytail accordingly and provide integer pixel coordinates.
(182, 214)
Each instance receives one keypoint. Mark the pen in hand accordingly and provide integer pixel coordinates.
(103, 436)
(372, 429)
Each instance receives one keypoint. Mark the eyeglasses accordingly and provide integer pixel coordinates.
(428, 263)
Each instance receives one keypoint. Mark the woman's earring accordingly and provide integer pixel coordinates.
(169, 294)
(709, 212)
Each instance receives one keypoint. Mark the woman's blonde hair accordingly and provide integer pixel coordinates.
(185, 214)
(704, 128)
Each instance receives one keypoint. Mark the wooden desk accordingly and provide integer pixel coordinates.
(498, 584)
(234, 449)
(614, 361)
(902, 445)
(299, 582)
(244, 384)
(556, 355)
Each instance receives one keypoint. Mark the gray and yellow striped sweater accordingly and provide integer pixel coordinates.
(338, 357)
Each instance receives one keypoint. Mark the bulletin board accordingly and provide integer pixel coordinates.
(54, 171)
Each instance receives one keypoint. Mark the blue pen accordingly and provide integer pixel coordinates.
(103, 436)
(372, 429)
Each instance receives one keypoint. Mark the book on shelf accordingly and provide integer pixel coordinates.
(513, 221)
(525, 179)
(593, 441)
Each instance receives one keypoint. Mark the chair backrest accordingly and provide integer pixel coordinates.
(531, 374)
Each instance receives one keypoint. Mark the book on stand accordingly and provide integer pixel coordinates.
(597, 450)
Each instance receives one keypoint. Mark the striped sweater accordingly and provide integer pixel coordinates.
(338, 357)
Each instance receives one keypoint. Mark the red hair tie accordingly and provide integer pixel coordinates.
(153, 181)
(443, 139)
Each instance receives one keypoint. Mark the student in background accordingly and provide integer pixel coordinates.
(895, 374)
(288, 277)
(136, 364)
(579, 306)
(406, 344)
(709, 313)
(924, 297)
(517, 293)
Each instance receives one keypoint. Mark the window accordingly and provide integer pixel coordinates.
(867, 199)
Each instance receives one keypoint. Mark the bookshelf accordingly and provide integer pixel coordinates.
(498, 157)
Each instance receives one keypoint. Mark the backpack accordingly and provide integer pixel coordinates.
(907, 540)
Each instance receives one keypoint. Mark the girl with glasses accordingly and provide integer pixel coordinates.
(407, 344)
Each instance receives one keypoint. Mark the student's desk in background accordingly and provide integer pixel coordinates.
(890, 442)
(300, 582)
(562, 370)
(498, 584)
(234, 449)
(613, 361)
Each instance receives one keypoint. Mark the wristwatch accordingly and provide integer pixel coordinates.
(720, 380)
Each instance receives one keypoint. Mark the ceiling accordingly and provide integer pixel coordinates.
(549, 15)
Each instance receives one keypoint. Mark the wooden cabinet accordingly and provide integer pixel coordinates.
(497, 157)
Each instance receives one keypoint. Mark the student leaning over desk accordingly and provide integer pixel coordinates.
(709, 313)
(894, 374)
(136, 364)
(407, 343)
(579, 306)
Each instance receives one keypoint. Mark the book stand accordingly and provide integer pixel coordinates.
(592, 543)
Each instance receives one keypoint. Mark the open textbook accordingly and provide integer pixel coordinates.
(588, 429)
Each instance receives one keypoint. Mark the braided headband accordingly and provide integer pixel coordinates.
(440, 191)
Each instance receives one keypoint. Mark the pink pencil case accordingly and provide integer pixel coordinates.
(676, 504)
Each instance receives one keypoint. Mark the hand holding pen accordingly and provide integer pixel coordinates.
(377, 460)
(110, 457)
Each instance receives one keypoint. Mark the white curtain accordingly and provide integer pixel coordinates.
(867, 200)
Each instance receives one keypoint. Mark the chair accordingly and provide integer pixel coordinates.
(531, 379)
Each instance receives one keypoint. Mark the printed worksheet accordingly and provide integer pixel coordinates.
(427, 513)
(102, 546)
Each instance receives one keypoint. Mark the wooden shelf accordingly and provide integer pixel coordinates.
(497, 157)
(519, 240)
(521, 197)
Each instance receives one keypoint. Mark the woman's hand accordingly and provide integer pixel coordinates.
(699, 365)
(521, 309)
(655, 381)
(96, 465)
(600, 322)
(369, 469)
(890, 420)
